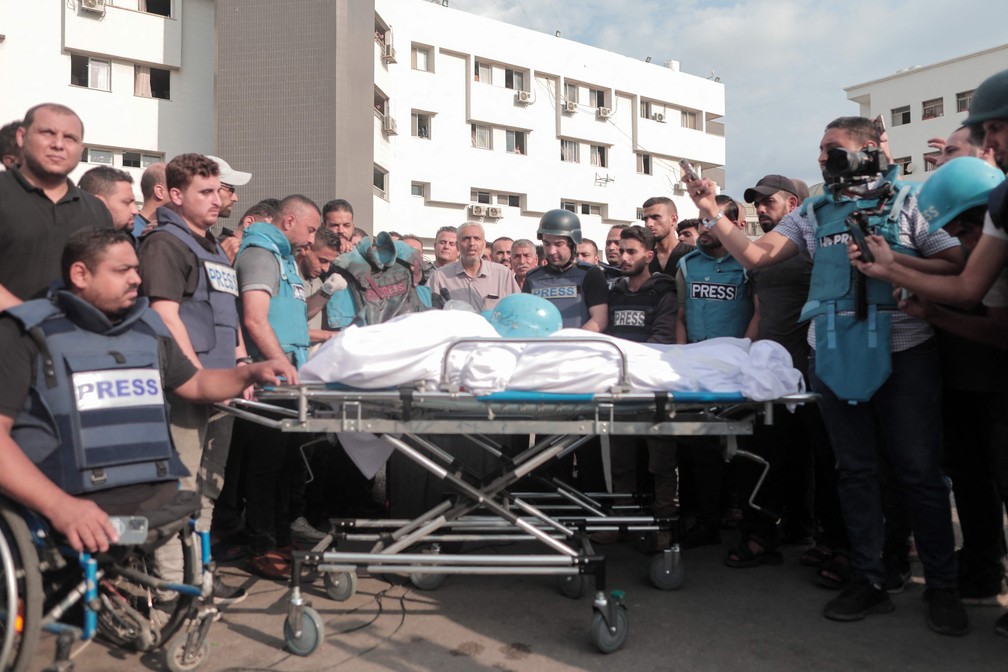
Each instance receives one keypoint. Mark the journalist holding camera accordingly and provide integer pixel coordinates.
(876, 369)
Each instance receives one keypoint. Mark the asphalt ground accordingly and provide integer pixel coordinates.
(721, 619)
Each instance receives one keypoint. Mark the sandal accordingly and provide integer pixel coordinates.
(816, 556)
(744, 556)
(835, 573)
(271, 565)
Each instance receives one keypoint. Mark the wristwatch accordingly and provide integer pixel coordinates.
(709, 223)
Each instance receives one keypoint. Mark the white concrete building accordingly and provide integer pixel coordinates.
(477, 119)
(140, 74)
(925, 102)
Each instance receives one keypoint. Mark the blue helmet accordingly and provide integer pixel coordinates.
(957, 186)
(524, 316)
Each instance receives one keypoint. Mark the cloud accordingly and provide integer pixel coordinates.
(784, 63)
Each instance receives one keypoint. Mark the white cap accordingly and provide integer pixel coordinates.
(229, 175)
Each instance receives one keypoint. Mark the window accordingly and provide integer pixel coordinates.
(381, 181)
(516, 142)
(596, 97)
(92, 155)
(598, 156)
(380, 103)
(645, 109)
(901, 116)
(589, 209)
(147, 159)
(933, 108)
(963, 101)
(510, 200)
(477, 196)
(382, 34)
(689, 120)
(514, 79)
(568, 205)
(420, 59)
(571, 92)
(903, 162)
(151, 82)
(418, 189)
(92, 73)
(644, 164)
(569, 151)
(931, 165)
(420, 125)
(481, 136)
(160, 7)
(482, 72)
(640, 213)
(131, 160)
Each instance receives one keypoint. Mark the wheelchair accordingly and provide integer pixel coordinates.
(117, 595)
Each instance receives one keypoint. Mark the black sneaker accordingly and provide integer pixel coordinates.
(225, 595)
(946, 614)
(897, 575)
(857, 601)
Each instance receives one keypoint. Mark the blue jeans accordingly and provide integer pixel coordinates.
(904, 419)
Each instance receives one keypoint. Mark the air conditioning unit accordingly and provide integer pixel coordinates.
(389, 125)
(477, 210)
(93, 6)
(523, 96)
(604, 112)
(658, 116)
(494, 212)
(570, 106)
(388, 55)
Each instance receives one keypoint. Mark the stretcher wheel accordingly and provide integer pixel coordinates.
(666, 579)
(21, 593)
(426, 581)
(176, 659)
(571, 585)
(312, 632)
(605, 640)
(340, 586)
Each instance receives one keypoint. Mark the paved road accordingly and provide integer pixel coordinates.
(724, 620)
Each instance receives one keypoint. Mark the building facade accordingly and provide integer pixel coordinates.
(925, 102)
(139, 73)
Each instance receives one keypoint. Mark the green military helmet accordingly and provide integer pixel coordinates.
(560, 223)
(957, 186)
(990, 100)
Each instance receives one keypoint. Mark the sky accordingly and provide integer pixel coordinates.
(784, 64)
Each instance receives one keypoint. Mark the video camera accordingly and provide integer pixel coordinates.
(845, 167)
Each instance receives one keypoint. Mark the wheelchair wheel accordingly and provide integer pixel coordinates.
(136, 614)
(21, 593)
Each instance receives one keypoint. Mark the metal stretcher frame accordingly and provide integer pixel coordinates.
(560, 423)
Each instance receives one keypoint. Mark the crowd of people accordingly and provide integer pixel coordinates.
(867, 286)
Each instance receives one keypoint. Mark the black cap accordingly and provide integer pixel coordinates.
(768, 185)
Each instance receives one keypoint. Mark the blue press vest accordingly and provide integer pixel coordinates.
(210, 315)
(853, 357)
(565, 290)
(288, 312)
(96, 415)
(379, 284)
(717, 296)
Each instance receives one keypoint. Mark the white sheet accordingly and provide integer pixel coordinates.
(411, 348)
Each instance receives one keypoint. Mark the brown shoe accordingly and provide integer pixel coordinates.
(272, 565)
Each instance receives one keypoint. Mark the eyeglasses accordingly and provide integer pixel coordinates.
(227, 187)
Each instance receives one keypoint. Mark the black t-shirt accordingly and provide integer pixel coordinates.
(18, 354)
(34, 230)
(169, 270)
(677, 253)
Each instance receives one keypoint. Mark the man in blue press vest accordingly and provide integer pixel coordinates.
(275, 320)
(578, 290)
(94, 355)
(877, 370)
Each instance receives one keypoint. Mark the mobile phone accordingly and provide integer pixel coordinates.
(879, 122)
(131, 529)
(688, 172)
(862, 243)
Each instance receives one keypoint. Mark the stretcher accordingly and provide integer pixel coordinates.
(485, 507)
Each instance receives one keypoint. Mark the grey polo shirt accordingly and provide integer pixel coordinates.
(492, 283)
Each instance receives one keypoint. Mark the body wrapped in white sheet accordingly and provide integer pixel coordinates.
(411, 348)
